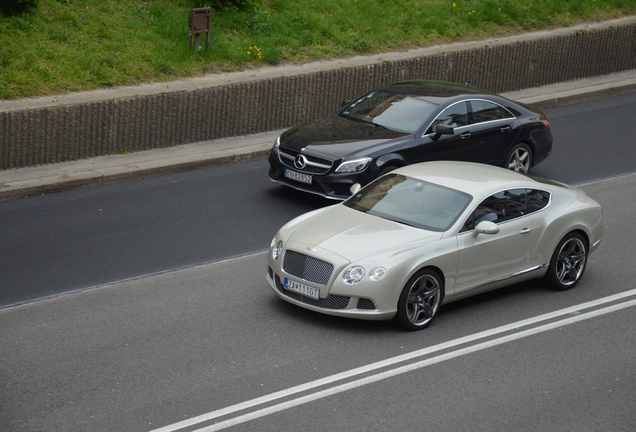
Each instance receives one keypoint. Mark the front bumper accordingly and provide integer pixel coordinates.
(337, 305)
(332, 185)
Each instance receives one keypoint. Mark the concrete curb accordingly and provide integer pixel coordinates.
(38, 180)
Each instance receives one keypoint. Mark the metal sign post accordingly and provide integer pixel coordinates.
(199, 21)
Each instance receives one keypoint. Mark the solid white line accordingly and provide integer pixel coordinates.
(389, 362)
(409, 368)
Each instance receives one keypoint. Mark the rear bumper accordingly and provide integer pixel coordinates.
(543, 145)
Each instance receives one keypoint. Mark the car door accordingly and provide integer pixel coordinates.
(493, 131)
(488, 258)
(448, 146)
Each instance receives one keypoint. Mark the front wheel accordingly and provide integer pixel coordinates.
(420, 300)
(386, 169)
(568, 262)
(519, 159)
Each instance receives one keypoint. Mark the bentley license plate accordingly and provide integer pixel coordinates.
(302, 289)
(293, 175)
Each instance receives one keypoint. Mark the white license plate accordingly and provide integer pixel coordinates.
(303, 178)
(302, 289)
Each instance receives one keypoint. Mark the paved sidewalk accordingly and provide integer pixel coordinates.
(18, 183)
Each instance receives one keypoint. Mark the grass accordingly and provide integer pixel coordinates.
(72, 45)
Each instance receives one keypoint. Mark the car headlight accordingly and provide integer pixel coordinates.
(276, 145)
(377, 273)
(355, 165)
(276, 246)
(353, 275)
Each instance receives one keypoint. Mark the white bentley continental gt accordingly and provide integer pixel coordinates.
(432, 233)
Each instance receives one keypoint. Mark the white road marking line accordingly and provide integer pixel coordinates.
(409, 368)
(399, 359)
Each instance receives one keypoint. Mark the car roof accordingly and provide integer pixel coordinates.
(437, 89)
(478, 180)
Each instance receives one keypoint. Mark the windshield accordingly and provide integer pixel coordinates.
(410, 201)
(398, 112)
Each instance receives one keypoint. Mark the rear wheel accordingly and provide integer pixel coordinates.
(568, 262)
(420, 300)
(519, 159)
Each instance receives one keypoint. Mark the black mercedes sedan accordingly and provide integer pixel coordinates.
(405, 123)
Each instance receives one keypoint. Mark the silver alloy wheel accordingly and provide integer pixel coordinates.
(423, 300)
(571, 261)
(520, 160)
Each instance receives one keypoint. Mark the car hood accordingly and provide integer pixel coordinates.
(354, 235)
(338, 137)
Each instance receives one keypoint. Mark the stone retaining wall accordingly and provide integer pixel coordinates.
(64, 133)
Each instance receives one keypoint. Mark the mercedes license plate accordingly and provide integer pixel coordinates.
(293, 175)
(302, 289)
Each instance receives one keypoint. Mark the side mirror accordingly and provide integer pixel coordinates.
(355, 188)
(344, 102)
(485, 227)
(444, 129)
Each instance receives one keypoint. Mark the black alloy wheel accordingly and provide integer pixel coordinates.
(568, 262)
(420, 300)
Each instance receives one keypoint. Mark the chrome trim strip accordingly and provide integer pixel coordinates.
(470, 125)
(528, 270)
(310, 163)
(594, 246)
(501, 279)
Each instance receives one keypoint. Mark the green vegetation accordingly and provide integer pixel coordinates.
(58, 46)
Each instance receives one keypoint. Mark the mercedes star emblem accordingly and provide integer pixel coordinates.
(300, 161)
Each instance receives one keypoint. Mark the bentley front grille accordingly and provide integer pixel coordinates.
(307, 267)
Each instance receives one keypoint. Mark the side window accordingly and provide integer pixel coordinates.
(484, 111)
(537, 200)
(499, 207)
(454, 116)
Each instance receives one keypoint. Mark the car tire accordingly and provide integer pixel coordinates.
(568, 262)
(386, 169)
(519, 158)
(420, 300)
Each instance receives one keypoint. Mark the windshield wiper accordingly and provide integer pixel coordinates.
(377, 125)
(348, 117)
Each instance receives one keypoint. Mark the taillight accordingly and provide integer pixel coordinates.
(545, 121)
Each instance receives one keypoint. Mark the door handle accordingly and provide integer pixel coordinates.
(505, 129)
(526, 230)
(465, 135)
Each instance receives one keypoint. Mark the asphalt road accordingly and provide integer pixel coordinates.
(211, 343)
(79, 239)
